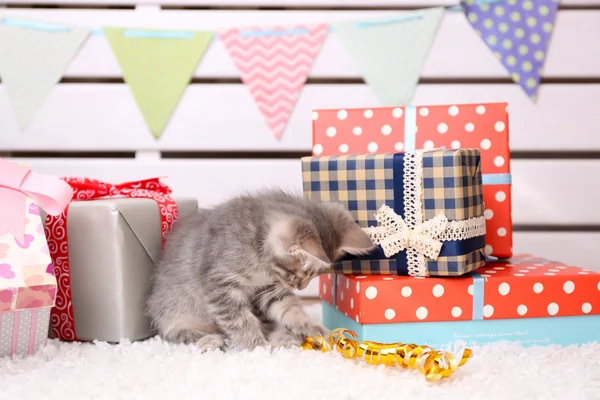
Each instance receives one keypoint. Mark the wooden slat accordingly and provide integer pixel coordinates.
(279, 3)
(105, 117)
(555, 192)
(579, 249)
(544, 192)
(457, 51)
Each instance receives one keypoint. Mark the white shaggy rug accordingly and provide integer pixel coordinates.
(156, 370)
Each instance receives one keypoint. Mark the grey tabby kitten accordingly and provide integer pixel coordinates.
(228, 273)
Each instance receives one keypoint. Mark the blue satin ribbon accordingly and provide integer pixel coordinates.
(449, 249)
(398, 206)
(496, 179)
(334, 290)
(398, 165)
(478, 290)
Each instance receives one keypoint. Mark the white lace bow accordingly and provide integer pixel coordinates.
(394, 235)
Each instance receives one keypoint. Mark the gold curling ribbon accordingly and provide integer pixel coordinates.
(433, 364)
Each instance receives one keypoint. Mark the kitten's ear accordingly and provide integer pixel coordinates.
(312, 252)
(355, 241)
(297, 237)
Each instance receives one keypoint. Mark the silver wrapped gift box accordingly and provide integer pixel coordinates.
(114, 246)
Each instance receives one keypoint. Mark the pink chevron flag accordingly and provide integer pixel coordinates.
(274, 63)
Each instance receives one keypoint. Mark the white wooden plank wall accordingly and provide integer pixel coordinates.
(217, 143)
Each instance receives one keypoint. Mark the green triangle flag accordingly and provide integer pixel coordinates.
(391, 51)
(157, 65)
(33, 58)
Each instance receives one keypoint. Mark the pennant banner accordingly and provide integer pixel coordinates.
(391, 51)
(518, 32)
(274, 63)
(33, 58)
(157, 66)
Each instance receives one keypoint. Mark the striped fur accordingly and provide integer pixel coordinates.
(228, 273)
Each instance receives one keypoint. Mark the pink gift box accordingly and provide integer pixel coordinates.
(27, 282)
(27, 288)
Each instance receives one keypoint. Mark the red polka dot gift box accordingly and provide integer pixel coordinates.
(395, 129)
(524, 298)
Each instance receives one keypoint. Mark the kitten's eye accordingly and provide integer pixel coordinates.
(282, 271)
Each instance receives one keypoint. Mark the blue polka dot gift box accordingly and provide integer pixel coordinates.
(423, 209)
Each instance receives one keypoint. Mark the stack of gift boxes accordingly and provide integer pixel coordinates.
(431, 185)
(76, 256)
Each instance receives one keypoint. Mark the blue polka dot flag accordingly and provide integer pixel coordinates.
(518, 32)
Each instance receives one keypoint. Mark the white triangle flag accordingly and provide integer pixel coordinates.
(33, 58)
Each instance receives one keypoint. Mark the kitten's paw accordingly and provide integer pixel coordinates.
(309, 329)
(186, 336)
(211, 342)
(284, 338)
(248, 342)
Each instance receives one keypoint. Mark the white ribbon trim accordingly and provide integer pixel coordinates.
(418, 238)
(394, 235)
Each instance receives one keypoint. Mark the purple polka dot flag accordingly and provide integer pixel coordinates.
(518, 32)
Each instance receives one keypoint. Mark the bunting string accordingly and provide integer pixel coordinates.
(273, 61)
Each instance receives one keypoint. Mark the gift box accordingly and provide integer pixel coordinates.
(105, 247)
(423, 209)
(394, 129)
(27, 281)
(524, 299)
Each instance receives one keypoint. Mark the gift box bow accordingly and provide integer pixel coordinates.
(16, 184)
(394, 234)
(152, 188)
(426, 238)
(89, 189)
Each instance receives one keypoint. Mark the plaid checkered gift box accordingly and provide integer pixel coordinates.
(424, 209)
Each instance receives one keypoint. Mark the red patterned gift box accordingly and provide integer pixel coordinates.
(105, 246)
(393, 129)
(522, 287)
